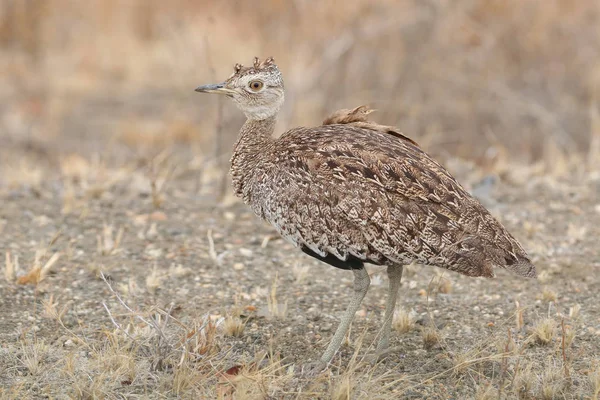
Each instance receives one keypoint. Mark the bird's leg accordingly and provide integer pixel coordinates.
(395, 276)
(361, 286)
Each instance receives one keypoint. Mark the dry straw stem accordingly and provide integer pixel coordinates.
(160, 173)
(444, 285)
(574, 312)
(594, 378)
(211, 247)
(276, 309)
(519, 321)
(11, 267)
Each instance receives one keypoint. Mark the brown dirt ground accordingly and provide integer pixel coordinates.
(164, 261)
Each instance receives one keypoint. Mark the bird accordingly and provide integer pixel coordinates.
(352, 192)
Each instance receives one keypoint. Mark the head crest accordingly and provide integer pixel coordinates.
(257, 65)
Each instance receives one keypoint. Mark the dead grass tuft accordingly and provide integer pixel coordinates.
(403, 321)
(544, 331)
(39, 271)
(551, 382)
(33, 355)
(431, 337)
(108, 243)
(233, 326)
(523, 382)
(548, 295)
(51, 310)
(153, 281)
(486, 392)
(301, 273)
(342, 388)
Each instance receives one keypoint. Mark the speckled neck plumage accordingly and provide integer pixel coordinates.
(254, 137)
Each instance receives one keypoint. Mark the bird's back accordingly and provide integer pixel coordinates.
(355, 189)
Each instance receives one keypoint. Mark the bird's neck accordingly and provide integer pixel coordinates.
(253, 139)
(254, 135)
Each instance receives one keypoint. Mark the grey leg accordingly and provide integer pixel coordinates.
(395, 276)
(361, 285)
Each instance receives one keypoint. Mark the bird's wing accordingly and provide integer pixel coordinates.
(346, 189)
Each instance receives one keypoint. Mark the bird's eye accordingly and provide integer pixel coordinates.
(255, 85)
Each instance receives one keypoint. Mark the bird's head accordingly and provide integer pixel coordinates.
(256, 90)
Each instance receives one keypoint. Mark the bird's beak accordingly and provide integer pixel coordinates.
(218, 88)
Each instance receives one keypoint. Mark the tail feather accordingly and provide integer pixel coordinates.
(523, 267)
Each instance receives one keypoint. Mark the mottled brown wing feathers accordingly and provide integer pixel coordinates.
(347, 189)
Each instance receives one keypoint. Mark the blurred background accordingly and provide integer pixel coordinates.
(95, 85)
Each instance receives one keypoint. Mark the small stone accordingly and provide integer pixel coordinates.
(154, 253)
(68, 343)
(158, 216)
(326, 327)
(246, 252)
(238, 266)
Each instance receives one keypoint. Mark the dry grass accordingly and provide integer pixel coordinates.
(544, 331)
(233, 326)
(431, 337)
(276, 309)
(548, 295)
(403, 321)
(594, 378)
